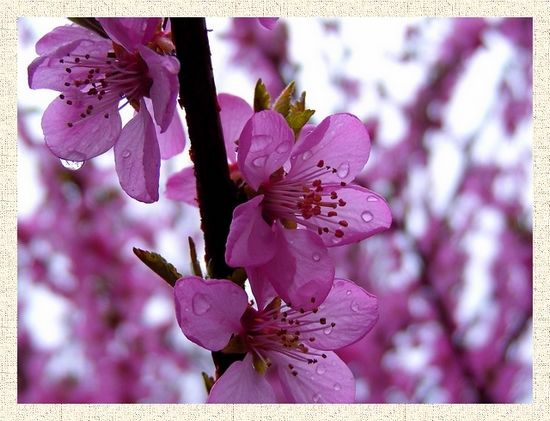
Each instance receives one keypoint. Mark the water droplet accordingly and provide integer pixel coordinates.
(348, 292)
(327, 330)
(367, 216)
(72, 165)
(355, 306)
(336, 240)
(200, 304)
(260, 142)
(293, 157)
(320, 369)
(259, 162)
(316, 398)
(316, 257)
(283, 147)
(126, 154)
(343, 170)
(372, 199)
(307, 155)
(337, 386)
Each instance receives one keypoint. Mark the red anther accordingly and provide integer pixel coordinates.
(332, 213)
(343, 222)
(343, 184)
(321, 163)
(316, 210)
(319, 230)
(333, 195)
(316, 183)
(325, 229)
(342, 202)
(339, 233)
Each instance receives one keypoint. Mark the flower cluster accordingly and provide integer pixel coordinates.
(301, 202)
(93, 75)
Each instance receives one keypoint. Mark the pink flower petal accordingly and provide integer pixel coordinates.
(354, 312)
(262, 289)
(234, 113)
(364, 214)
(172, 141)
(209, 312)
(341, 141)
(182, 186)
(88, 137)
(163, 70)
(137, 157)
(130, 32)
(49, 71)
(327, 381)
(64, 35)
(268, 23)
(301, 270)
(264, 146)
(250, 240)
(241, 383)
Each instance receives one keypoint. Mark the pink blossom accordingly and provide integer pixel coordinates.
(301, 184)
(93, 75)
(289, 354)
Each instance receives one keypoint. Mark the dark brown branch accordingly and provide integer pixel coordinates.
(216, 192)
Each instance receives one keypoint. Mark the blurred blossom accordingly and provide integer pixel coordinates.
(453, 275)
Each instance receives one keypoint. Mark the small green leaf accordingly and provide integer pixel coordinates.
(195, 265)
(282, 104)
(238, 277)
(208, 381)
(159, 265)
(261, 97)
(298, 120)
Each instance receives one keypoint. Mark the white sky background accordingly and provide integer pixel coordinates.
(374, 46)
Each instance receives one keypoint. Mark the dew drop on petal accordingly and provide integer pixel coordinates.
(336, 240)
(343, 170)
(316, 257)
(372, 199)
(307, 155)
(337, 386)
(367, 216)
(259, 162)
(283, 147)
(316, 398)
(348, 292)
(354, 306)
(200, 304)
(320, 369)
(328, 330)
(126, 154)
(72, 165)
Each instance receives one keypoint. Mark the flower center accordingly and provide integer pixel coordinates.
(106, 80)
(305, 200)
(281, 330)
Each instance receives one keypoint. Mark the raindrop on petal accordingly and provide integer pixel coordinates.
(355, 306)
(283, 147)
(316, 398)
(328, 330)
(320, 369)
(307, 155)
(372, 199)
(337, 386)
(316, 257)
(126, 154)
(72, 165)
(259, 162)
(367, 216)
(336, 240)
(343, 170)
(348, 292)
(200, 304)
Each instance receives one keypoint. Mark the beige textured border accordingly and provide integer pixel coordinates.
(11, 9)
